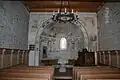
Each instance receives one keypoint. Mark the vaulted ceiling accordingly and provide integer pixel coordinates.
(54, 5)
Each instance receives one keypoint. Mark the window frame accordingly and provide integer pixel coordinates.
(63, 45)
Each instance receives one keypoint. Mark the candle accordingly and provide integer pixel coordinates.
(65, 10)
(72, 10)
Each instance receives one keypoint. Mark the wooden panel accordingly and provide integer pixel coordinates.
(25, 72)
(57, 4)
(98, 57)
(20, 57)
(0, 61)
(49, 62)
(102, 58)
(26, 57)
(89, 58)
(7, 58)
(107, 58)
(50, 6)
(14, 58)
(119, 59)
(113, 59)
(55, 9)
(92, 71)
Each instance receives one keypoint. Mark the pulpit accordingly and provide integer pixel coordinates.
(85, 58)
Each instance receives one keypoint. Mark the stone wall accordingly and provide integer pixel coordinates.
(14, 19)
(109, 26)
(88, 20)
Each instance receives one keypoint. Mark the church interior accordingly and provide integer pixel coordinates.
(59, 40)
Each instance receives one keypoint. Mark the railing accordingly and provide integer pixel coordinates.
(11, 57)
(111, 58)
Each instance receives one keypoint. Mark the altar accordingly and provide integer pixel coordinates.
(87, 58)
(50, 62)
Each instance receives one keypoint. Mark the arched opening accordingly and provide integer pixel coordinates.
(63, 44)
(60, 40)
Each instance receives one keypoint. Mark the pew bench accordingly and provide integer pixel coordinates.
(23, 66)
(96, 72)
(31, 67)
(14, 78)
(76, 69)
(30, 71)
(100, 76)
(24, 72)
(25, 75)
(103, 79)
(80, 72)
(27, 71)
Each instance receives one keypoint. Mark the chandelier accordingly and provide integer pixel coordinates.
(65, 16)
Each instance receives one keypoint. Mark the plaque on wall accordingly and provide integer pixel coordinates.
(31, 47)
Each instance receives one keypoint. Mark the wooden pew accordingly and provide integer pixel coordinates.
(96, 73)
(31, 67)
(103, 79)
(94, 70)
(24, 72)
(78, 70)
(14, 78)
(27, 71)
(25, 75)
(100, 76)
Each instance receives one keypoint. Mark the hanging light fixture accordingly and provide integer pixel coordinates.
(65, 16)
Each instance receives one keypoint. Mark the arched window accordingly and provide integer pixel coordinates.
(63, 44)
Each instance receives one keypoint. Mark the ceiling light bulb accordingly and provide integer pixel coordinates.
(65, 10)
(58, 11)
(53, 13)
(72, 10)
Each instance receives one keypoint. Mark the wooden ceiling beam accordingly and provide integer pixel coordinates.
(55, 9)
(50, 4)
(73, 0)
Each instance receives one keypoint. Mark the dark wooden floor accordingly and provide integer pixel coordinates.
(63, 75)
(67, 73)
(63, 79)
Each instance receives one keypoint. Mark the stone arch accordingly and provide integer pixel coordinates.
(50, 22)
(86, 39)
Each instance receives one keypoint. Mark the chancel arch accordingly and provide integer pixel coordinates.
(75, 34)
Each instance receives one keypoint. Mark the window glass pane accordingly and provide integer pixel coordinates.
(63, 44)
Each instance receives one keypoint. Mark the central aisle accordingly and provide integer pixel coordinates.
(63, 75)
